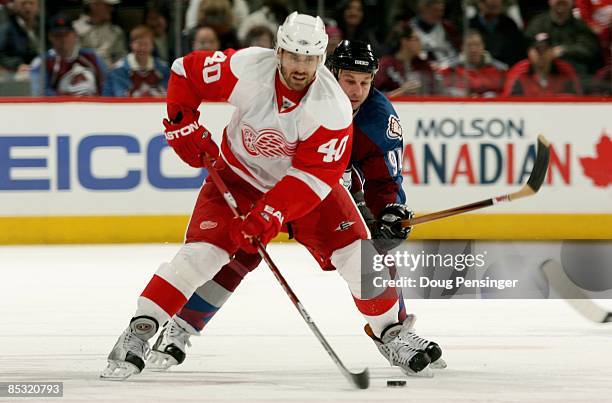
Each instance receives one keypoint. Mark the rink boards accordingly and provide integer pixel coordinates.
(91, 171)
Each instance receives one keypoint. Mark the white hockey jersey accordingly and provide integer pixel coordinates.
(275, 134)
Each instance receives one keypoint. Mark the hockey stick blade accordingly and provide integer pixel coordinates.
(359, 380)
(536, 178)
(540, 167)
(572, 294)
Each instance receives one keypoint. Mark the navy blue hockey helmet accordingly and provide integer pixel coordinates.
(353, 56)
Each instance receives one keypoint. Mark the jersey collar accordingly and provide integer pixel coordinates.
(287, 99)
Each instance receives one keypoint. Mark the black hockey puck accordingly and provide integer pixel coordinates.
(396, 384)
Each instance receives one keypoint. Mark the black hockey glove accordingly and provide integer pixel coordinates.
(367, 215)
(389, 232)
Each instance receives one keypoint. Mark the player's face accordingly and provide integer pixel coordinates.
(356, 86)
(298, 70)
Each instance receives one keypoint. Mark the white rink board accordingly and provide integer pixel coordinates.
(572, 128)
(61, 326)
(138, 123)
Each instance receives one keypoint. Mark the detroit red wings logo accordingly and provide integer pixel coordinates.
(267, 142)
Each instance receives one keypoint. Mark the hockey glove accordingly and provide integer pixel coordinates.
(188, 138)
(365, 212)
(263, 222)
(390, 233)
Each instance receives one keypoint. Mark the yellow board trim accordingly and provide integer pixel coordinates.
(156, 229)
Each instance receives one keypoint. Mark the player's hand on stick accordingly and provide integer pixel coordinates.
(263, 222)
(389, 232)
(188, 138)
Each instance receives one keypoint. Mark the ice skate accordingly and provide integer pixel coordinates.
(128, 356)
(169, 349)
(403, 348)
(433, 350)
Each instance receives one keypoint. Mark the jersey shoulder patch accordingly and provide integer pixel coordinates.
(379, 121)
(253, 63)
(327, 104)
(394, 128)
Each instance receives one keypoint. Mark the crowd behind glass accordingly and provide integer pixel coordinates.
(456, 48)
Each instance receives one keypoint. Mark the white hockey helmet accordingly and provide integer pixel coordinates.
(302, 34)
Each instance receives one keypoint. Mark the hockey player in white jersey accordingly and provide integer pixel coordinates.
(282, 156)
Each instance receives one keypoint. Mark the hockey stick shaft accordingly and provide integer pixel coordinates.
(360, 380)
(536, 178)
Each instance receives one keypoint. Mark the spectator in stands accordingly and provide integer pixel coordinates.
(70, 69)
(405, 71)
(240, 9)
(605, 41)
(271, 14)
(542, 74)
(439, 38)
(205, 38)
(139, 74)
(334, 35)
(502, 38)
(596, 13)
(96, 31)
(598, 16)
(351, 21)
(19, 43)
(477, 73)
(259, 35)
(572, 39)
(3, 23)
(532, 8)
(218, 15)
(602, 82)
(156, 18)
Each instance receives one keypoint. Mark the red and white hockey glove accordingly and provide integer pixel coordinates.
(263, 222)
(188, 138)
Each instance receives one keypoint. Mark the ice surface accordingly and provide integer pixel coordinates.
(64, 306)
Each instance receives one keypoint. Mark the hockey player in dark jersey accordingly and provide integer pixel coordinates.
(373, 177)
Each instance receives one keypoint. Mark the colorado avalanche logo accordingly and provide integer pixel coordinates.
(268, 143)
(394, 129)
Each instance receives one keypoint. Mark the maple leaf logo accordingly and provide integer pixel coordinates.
(599, 169)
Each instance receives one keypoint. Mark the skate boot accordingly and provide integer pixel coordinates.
(398, 346)
(169, 349)
(130, 352)
(432, 349)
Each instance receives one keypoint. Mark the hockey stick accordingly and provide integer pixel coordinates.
(536, 178)
(360, 380)
(574, 295)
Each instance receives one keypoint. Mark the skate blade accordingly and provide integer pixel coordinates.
(424, 373)
(118, 370)
(438, 364)
(159, 362)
